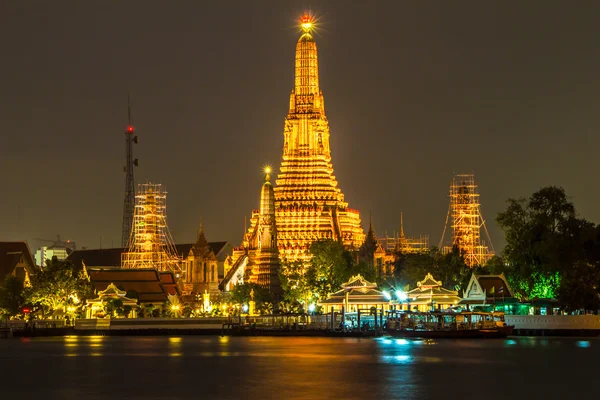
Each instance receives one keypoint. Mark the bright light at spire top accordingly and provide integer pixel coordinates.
(306, 23)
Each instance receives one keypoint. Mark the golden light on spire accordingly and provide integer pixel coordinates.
(267, 170)
(307, 23)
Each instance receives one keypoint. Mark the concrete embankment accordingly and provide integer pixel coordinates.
(555, 325)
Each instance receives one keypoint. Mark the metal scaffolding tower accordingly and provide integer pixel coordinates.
(151, 244)
(130, 162)
(464, 214)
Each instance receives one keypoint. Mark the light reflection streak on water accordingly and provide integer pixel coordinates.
(583, 344)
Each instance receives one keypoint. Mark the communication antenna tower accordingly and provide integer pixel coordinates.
(130, 163)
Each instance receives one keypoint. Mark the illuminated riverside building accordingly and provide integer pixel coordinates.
(309, 205)
(257, 259)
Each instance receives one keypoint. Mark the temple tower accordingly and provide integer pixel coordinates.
(464, 216)
(257, 259)
(151, 244)
(309, 205)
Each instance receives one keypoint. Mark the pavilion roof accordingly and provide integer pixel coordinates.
(150, 284)
(357, 281)
(11, 254)
(429, 282)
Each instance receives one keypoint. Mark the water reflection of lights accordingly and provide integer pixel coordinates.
(583, 344)
(174, 340)
(510, 342)
(400, 359)
(402, 342)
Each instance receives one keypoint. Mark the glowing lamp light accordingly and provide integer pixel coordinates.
(268, 169)
(245, 308)
(387, 295)
(130, 129)
(311, 308)
(401, 295)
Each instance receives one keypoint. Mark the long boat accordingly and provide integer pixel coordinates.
(435, 325)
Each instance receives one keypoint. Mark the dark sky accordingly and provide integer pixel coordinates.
(414, 92)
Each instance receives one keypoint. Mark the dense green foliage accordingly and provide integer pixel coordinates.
(550, 252)
(329, 267)
(58, 285)
(12, 297)
(449, 268)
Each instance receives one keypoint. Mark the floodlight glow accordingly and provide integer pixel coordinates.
(387, 295)
(401, 295)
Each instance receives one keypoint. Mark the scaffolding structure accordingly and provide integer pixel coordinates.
(151, 244)
(398, 242)
(464, 215)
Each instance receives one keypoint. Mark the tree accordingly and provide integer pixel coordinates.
(330, 266)
(12, 297)
(548, 246)
(60, 282)
(296, 289)
(448, 268)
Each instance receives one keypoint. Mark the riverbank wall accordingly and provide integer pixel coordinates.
(555, 325)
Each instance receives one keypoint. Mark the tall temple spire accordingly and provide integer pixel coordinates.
(309, 205)
(307, 66)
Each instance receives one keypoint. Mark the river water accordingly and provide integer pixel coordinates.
(212, 367)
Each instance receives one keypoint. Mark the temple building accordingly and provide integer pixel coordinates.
(309, 205)
(429, 295)
(201, 268)
(373, 253)
(257, 259)
(489, 291)
(356, 294)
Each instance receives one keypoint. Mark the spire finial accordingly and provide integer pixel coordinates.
(267, 171)
(307, 23)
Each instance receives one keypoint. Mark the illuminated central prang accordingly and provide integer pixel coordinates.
(309, 205)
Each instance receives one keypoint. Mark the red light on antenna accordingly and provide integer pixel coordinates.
(130, 128)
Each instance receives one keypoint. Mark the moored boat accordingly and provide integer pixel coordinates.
(434, 325)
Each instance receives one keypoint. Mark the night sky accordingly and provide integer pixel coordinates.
(413, 93)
